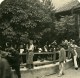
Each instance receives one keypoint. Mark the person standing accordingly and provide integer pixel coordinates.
(62, 59)
(14, 60)
(78, 55)
(5, 70)
(69, 51)
(75, 56)
(30, 55)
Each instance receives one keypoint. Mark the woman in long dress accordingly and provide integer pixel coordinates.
(30, 55)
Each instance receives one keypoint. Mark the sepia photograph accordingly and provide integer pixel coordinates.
(39, 38)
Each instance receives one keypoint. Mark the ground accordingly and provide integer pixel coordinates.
(69, 73)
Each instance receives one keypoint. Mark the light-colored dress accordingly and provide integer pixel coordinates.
(62, 55)
(30, 54)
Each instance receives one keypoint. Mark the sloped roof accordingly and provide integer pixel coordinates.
(68, 6)
(78, 6)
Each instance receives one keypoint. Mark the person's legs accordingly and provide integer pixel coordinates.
(31, 65)
(69, 55)
(78, 61)
(72, 57)
(75, 62)
(61, 68)
(17, 70)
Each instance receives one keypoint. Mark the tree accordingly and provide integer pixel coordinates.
(48, 32)
(65, 28)
(24, 17)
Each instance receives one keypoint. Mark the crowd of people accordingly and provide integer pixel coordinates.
(50, 47)
(10, 58)
(73, 52)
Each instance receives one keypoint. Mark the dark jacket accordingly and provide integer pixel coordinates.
(5, 70)
(13, 58)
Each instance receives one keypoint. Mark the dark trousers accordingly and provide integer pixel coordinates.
(17, 70)
(78, 61)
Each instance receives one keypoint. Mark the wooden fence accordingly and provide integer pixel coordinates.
(41, 58)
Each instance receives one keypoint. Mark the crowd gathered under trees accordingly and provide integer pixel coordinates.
(24, 20)
(21, 20)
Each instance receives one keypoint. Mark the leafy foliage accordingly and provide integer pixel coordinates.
(66, 27)
(21, 20)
